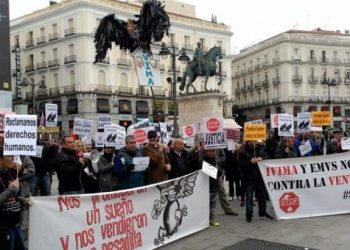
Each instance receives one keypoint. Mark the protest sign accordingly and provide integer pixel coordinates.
(140, 218)
(254, 132)
(214, 136)
(103, 120)
(145, 123)
(141, 163)
(20, 134)
(345, 143)
(2, 119)
(308, 186)
(189, 130)
(321, 118)
(232, 134)
(209, 169)
(82, 126)
(285, 125)
(304, 122)
(162, 131)
(51, 114)
(110, 135)
(99, 140)
(305, 148)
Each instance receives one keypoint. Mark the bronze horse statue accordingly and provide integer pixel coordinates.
(208, 69)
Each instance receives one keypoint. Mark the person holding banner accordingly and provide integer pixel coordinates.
(253, 180)
(159, 166)
(285, 149)
(11, 237)
(124, 166)
(68, 168)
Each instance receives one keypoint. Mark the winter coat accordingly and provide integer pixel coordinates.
(156, 171)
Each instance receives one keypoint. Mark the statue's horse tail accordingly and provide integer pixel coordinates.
(183, 81)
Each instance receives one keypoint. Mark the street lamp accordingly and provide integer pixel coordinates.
(330, 83)
(164, 51)
(26, 83)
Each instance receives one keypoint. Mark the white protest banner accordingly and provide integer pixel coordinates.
(285, 125)
(103, 120)
(209, 169)
(145, 123)
(190, 142)
(189, 130)
(140, 218)
(308, 186)
(121, 134)
(141, 163)
(99, 140)
(20, 134)
(82, 126)
(303, 122)
(214, 136)
(274, 120)
(147, 69)
(111, 134)
(345, 143)
(305, 148)
(51, 111)
(232, 134)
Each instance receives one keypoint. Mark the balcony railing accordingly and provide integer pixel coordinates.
(296, 58)
(336, 60)
(54, 91)
(41, 92)
(29, 43)
(41, 40)
(313, 79)
(143, 91)
(70, 59)
(312, 59)
(106, 60)
(158, 92)
(102, 88)
(124, 62)
(29, 95)
(69, 89)
(265, 83)
(297, 78)
(53, 36)
(125, 90)
(276, 80)
(29, 68)
(188, 46)
(41, 65)
(69, 32)
(275, 60)
(324, 60)
(170, 68)
(54, 63)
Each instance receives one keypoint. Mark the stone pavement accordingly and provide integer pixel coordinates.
(324, 233)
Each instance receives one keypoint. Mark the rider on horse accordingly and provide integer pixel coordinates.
(198, 55)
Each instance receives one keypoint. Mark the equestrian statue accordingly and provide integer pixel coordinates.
(201, 65)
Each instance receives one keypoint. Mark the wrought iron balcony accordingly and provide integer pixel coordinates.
(41, 40)
(297, 79)
(124, 62)
(69, 32)
(69, 89)
(312, 79)
(103, 89)
(54, 91)
(53, 36)
(70, 59)
(125, 90)
(54, 63)
(29, 68)
(41, 65)
(276, 80)
(29, 43)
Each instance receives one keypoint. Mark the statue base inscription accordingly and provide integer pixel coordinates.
(193, 108)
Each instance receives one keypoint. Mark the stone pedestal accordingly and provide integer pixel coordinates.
(192, 108)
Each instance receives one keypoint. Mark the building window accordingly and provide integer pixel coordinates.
(347, 113)
(324, 58)
(72, 106)
(142, 107)
(325, 108)
(336, 111)
(103, 105)
(124, 107)
(312, 108)
(58, 103)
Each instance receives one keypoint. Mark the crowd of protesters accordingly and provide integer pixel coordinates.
(114, 170)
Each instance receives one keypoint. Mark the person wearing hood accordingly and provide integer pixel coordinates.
(124, 166)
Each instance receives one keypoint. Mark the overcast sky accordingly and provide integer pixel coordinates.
(251, 21)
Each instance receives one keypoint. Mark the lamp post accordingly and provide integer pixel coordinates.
(164, 51)
(26, 83)
(330, 83)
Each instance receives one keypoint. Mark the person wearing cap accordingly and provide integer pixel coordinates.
(334, 145)
(159, 166)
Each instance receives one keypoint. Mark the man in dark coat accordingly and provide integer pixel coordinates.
(179, 160)
(68, 168)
